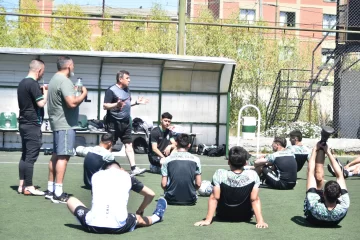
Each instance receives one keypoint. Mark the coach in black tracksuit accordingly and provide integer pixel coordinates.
(31, 101)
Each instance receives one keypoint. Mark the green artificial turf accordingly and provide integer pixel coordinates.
(30, 217)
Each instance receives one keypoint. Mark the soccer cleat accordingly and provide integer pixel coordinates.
(137, 171)
(48, 194)
(63, 198)
(155, 169)
(160, 208)
(331, 170)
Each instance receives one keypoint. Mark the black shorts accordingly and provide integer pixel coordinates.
(80, 214)
(120, 129)
(273, 181)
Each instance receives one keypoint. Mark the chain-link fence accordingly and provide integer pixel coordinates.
(303, 65)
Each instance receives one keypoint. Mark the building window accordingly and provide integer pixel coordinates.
(326, 55)
(247, 15)
(329, 21)
(287, 19)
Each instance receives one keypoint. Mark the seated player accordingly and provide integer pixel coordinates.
(235, 193)
(161, 143)
(351, 169)
(110, 195)
(279, 169)
(327, 207)
(181, 174)
(301, 152)
(95, 157)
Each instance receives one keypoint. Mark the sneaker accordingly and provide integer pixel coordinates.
(160, 208)
(155, 169)
(137, 171)
(63, 198)
(346, 173)
(48, 194)
(33, 192)
(331, 170)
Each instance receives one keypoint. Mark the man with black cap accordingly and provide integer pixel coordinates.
(235, 193)
(110, 195)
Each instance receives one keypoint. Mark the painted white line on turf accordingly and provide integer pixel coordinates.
(125, 164)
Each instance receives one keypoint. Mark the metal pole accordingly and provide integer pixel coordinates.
(181, 28)
(276, 15)
(260, 9)
(103, 9)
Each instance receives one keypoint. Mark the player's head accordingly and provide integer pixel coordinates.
(107, 140)
(37, 67)
(278, 143)
(238, 157)
(295, 136)
(123, 78)
(111, 164)
(332, 191)
(65, 63)
(166, 119)
(183, 141)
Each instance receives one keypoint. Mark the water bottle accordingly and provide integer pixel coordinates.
(79, 86)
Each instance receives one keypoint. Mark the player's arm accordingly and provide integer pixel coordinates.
(172, 146)
(197, 181)
(352, 163)
(256, 205)
(141, 100)
(164, 180)
(72, 101)
(338, 172)
(311, 181)
(260, 162)
(212, 205)
(108, 104)
(155, 149)
(148, 197)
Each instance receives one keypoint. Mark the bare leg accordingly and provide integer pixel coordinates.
(143, 221)
(130, 153)
(61, 168)
(52, 164)
(319, 169)
(73, 203)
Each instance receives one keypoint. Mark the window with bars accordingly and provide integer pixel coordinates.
(287, 19)
(325, 54)
(247, 15)
(329, 20)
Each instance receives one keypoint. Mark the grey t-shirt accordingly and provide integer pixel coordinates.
(112, 95)
(60, 115)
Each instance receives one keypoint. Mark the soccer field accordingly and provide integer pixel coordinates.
(30, 217)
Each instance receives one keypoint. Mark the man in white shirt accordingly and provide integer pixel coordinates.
(110, 195)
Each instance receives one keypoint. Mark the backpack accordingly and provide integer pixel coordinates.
(217, 151)
(204, 149)
(140, 146)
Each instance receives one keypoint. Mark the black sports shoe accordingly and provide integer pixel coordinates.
(331, 170)
(63, 198)
(48, 194)
(346, 173)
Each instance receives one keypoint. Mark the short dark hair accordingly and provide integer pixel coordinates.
(166, 115)
(63, 62)
(183, 140)
(281, 140)
(108, 164)
(332, 191)
(121, 74)
(107, 137)
(238, 156)
(297, 134)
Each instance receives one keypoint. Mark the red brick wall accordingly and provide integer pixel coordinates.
(230, 8)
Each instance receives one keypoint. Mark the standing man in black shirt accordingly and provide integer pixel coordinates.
(31, 102)
(161, 143)
(117, 102)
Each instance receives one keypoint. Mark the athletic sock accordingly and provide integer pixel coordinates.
(51, 186)
(133, 168)
(58, 189)
(154, 218)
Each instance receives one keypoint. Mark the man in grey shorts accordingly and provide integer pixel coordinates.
(63, 110)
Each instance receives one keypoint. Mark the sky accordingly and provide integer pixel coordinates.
(10, 5)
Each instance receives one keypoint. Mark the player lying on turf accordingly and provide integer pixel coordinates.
(235, 193)
(351, 169)
(110, 194)
(329, 206)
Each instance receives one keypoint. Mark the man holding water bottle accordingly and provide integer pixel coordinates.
(117, 102)
(63, 109)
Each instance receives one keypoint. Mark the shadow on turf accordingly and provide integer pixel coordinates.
(15, 188)
(299, 220)
(75, 226)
